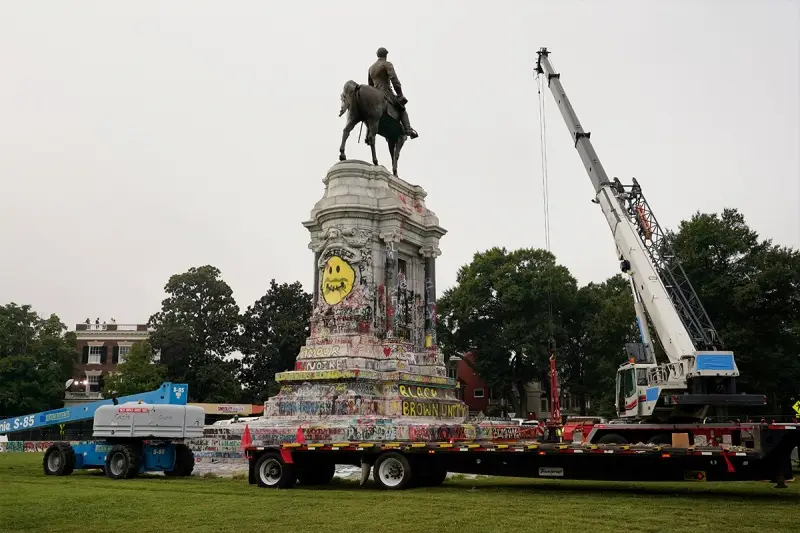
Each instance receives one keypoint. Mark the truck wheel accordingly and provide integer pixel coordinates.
(59, 460)
(612, 438)
(392, 471)
(662, 438)
(122, 462)
(273, 473)
(184, 462)
(316, 473)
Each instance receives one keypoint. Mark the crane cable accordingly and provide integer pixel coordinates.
(545, 199)
(555, 404)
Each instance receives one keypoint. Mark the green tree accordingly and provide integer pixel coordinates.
(137, 374)
(274, 329)
(196, 330)
(750, 288)
(505, 308)
(599, 323)
(36, 359)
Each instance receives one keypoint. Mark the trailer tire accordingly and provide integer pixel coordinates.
(392, 471)
(661, 439)
(184, 462)
(612, 438)
(316, 473)
(122, 462)
(272, 472)
(59, 460)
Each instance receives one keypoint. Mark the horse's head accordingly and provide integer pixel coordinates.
(347, 96)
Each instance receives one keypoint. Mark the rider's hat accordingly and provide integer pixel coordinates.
(382, 52)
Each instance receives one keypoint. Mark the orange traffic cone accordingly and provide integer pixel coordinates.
(247, 439)
(300, 438)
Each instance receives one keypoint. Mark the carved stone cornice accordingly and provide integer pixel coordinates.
(430, 250)
(391, 236)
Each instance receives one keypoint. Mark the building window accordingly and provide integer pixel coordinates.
(477, 393)
(94, 384)
(123, 353)
(544, 404)
(95, 353)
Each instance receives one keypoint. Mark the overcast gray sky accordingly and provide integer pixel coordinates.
(138, 139)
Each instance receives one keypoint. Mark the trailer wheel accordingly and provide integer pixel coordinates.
(316, 473)
(612, 438)
(661, 438)
(184, 462)
(59, 460)
(273, 473)
(122, 462)
(392, 471)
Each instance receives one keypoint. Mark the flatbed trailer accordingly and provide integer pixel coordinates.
(401, 465)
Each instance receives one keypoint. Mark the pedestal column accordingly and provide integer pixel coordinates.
(430, 253)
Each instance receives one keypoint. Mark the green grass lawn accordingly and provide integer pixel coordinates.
(89, 502)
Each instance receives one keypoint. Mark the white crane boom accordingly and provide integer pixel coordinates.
(672, 333)
(699, 374)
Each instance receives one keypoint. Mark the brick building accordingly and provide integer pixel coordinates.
(480, 398)
(101, 347)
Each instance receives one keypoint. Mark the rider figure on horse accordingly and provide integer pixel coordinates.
(381, 74)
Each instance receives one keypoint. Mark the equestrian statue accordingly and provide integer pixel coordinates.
(380, 108)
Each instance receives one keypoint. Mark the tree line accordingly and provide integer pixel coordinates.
(507, 308)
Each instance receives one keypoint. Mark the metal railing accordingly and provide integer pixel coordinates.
(666, 373)
(111, 327)
(83, 396)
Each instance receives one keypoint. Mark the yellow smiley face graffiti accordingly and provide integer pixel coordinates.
(337, 280)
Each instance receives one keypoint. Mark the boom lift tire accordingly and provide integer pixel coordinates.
(316, 473)
(392, 471)
(59, 460)
(122, 462)
(184, 462)
(273, 473)
(612, 438)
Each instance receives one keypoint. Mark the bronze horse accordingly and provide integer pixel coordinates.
(368, 105)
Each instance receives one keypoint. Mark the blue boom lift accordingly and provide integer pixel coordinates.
(135, 434)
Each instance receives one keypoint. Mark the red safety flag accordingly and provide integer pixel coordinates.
(247, 439)
(300, 438)
(728, 461)
(286, 455)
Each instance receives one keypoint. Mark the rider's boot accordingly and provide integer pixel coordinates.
(411, 132)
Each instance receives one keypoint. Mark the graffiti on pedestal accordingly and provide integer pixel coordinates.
(337, 279)
(319, 352)
(299, 407)
(346, 284)
(434, 409)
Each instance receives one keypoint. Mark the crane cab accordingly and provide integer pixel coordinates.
(634, 398)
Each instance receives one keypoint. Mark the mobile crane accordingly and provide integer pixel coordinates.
(699, 373)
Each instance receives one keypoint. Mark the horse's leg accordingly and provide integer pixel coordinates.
(351, 123)
(372, 132)
(398, 145)
(391, 142)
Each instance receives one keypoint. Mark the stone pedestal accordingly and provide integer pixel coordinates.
(371, 369)
(372, 352)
